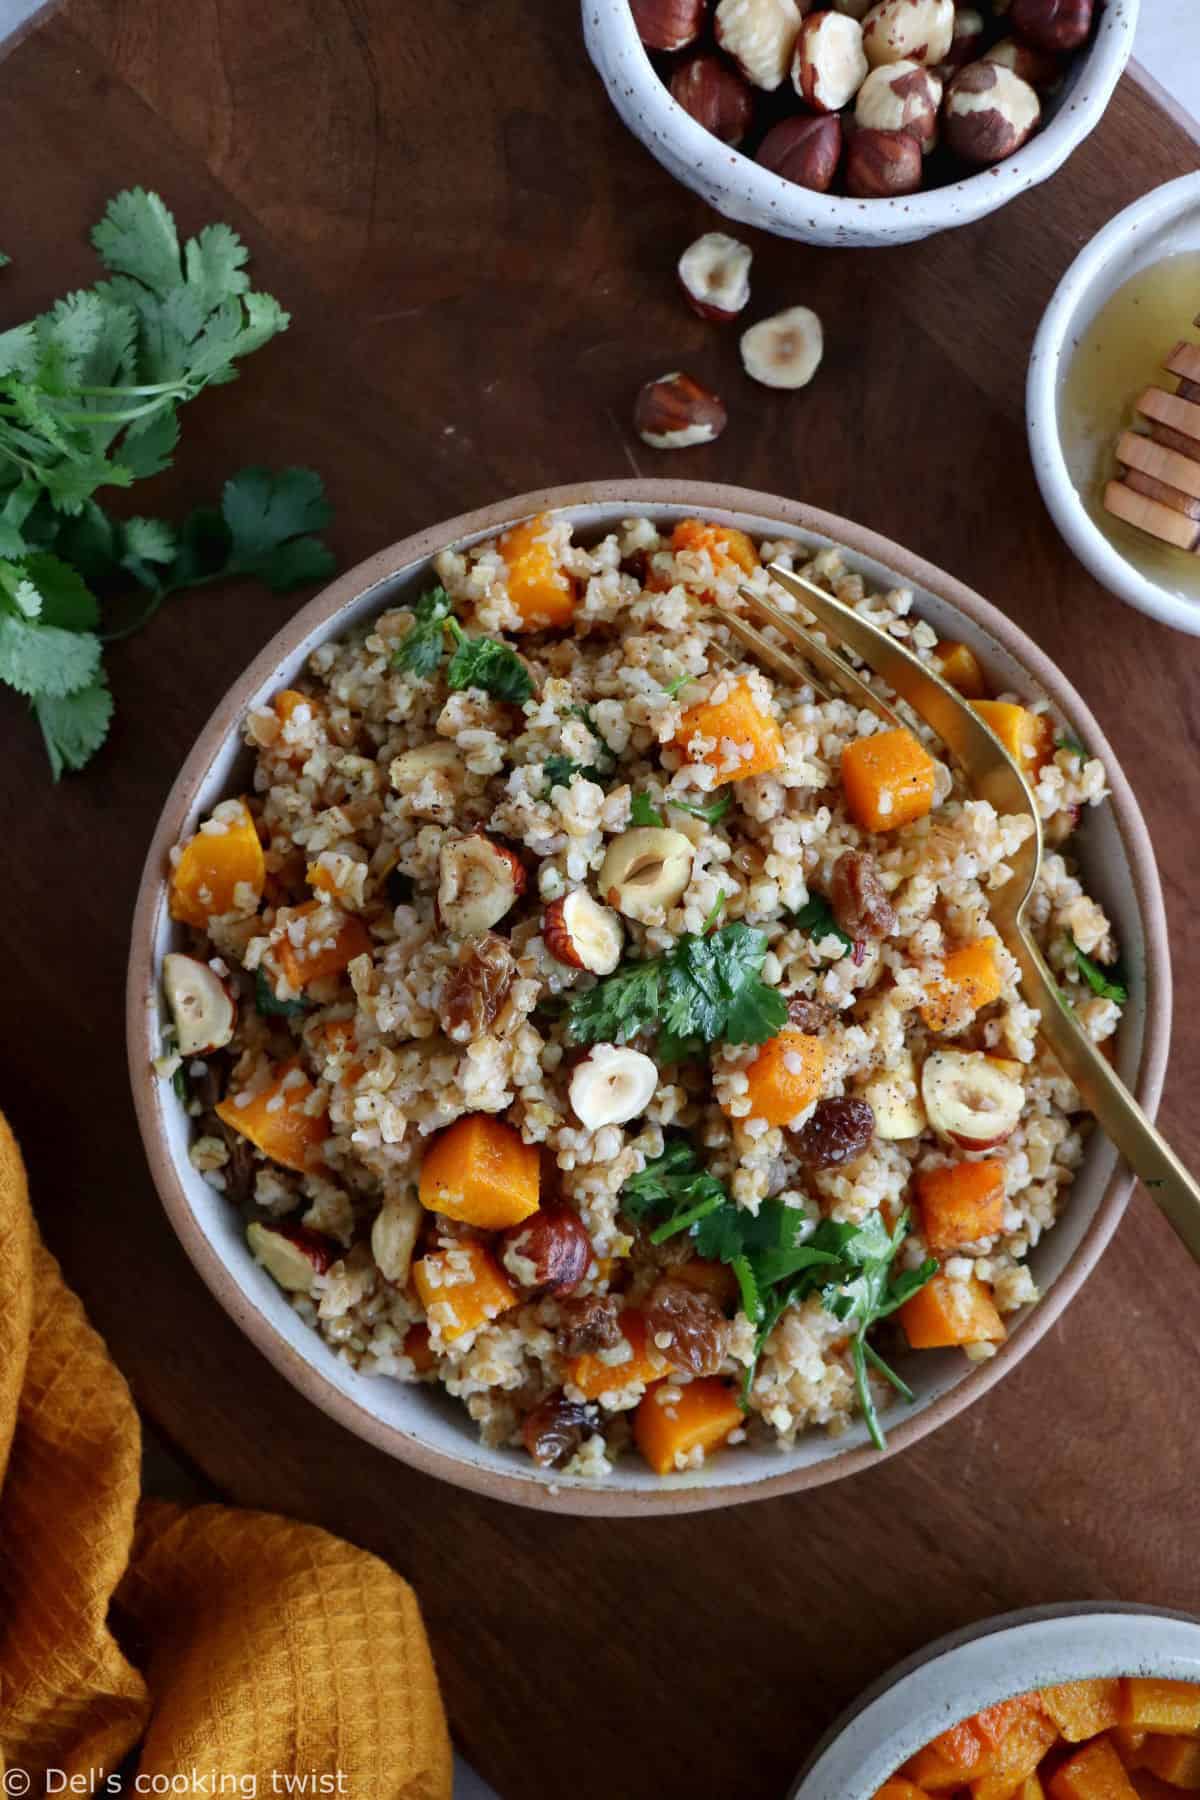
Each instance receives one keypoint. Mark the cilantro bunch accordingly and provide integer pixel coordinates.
(708, 986)
(779, 1258)
(476, 662)
(89, 398)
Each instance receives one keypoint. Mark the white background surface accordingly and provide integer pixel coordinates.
(1168, 44)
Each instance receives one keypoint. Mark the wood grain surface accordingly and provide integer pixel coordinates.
(479, 262)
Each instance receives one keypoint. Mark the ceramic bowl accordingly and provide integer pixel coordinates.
(1164, 222)
(743, 191)
(982, 1665)
(428, 1429)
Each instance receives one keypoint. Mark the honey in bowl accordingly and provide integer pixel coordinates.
(1120, 355)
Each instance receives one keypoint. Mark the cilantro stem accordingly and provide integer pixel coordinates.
(751, 1300)
(685, 1220)
(866, 1399)
(889, 1374)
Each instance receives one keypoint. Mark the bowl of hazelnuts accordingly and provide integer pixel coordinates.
(860, 121)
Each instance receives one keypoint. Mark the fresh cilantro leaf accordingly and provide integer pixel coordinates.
(1109, 983)
(42, 660)
(66, 600)
(674, 1190)
(642, 811)
(815, 918)
(267, 1001)
(265, 511)
(705, 988)
(137, 237)
(560, 771)
(618, 1008)
(74, 725)
(711, 814)
(482, 662)
(422, 647)
(1067, 742)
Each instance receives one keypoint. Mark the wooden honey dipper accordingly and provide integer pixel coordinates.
(1158, 489)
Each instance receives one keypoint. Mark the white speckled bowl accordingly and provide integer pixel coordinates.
(981, 1665)
(737, 187)
(1162, 223)
(427, 1428)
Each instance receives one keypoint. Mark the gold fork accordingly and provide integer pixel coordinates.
(992, 775)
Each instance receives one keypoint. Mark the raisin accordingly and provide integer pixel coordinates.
(553, 1431)
(474, 992)
(588, 1324)
(697, 1333)
(549, 1252)
(807, 1015)
(837, 1132)
(858, 899)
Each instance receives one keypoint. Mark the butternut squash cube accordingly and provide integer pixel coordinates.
(959, 665)
(934, 1774)
(888, 780)
(745, 740)
(944, 1313)
(482, 1173)
(1095, 1772)
(1162, 1706)
(594, 1376)
(323, 943)
(960, 1203)
(900, 1789)
(970, 980)
(542, 592)
(1083, 1709)
(725, 544)
(1027, 736)
(276, 1118)
(461, 1288)
(220, 869)
(1175, 1759)
(1007, 1767)
(674, 1421)
(785, 1076)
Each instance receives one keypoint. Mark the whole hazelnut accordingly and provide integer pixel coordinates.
(806, 151)
(829, 65)
(901, 96)
(1039, 68)
(913, 30)
(715, 96)
(1052, 24)
(882, 164)
(760, 35)
(989, 112)
(675, 412)
(668, 24)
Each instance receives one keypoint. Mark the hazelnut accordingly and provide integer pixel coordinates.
(806, 151)
(829, 65)
(612, 1085)
(582, 933)
(909, 30)
(971, 1100)
(646, 870)
(895, 1099)
(968, 35)
(668, 24)
(478, 882)
(760, 35)
(715, 96)
(714, 273)
(785, 351)
(882, 164)
(202, 1006)
(1055, 25)
(550, 1251)
(989, 112)
(1038, 67)
(675, 412)
(394, 1233)
(292, 1254)
(901, 96)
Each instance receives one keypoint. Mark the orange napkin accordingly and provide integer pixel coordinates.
(239, 1645)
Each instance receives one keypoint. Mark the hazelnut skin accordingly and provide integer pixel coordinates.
(806, 151)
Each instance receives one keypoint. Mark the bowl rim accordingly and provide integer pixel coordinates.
(1057, 337)
(970, 1668)
(143, 1009)
(638, 83)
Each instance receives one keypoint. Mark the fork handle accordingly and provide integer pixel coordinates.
(1109, 1101)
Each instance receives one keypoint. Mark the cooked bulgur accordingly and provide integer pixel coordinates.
(413, 953)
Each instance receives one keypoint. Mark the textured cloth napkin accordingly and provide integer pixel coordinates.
(245, 1653)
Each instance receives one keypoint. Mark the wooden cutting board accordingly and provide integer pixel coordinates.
(479, 264)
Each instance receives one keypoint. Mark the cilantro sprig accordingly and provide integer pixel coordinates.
(475, 662)
(560, 771)
(815, 919)
(644, 812)
(89, 398)
(1108, 983)
(708, 986)
(421, 649)
(780, 1257)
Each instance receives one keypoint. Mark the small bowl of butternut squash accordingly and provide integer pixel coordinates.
(369, 1297)
(1098, 1702)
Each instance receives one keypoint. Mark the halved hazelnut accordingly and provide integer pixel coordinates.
(1052, 24)
(612, 1085)
(1042, 70)
(292, 1254)
(668, 24)
(806, 151)
(909, 30)
(550, 1252)
(895, 1099)
(203, 1009)
(715, 96)
(901, 96)
(675, 412)
(830, 64)
(478, 881)
(582, 933)
(971, 1100)
(714, 273)
(646, 870)
(784, 351)
(394, 1234)
(989, 112)
(760, 35)
(882, 164)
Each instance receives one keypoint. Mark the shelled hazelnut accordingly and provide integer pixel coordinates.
(882, 164)
(806, 151)
(989, 112)
(901, 96)
(716, 96)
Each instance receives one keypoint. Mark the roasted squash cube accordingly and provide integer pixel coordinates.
(481, 1172)
(889, 780)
